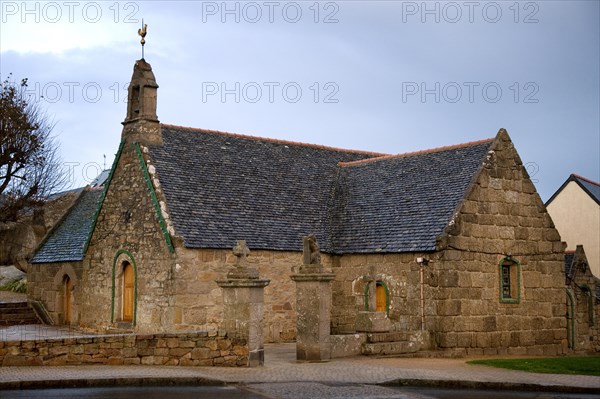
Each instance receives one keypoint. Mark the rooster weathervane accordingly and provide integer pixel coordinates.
(142, 32)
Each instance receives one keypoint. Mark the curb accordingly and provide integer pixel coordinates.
(201, 381)
(488, 385)
(110, 382)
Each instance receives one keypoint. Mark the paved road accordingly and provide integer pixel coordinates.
(282, 390)
(133, 393)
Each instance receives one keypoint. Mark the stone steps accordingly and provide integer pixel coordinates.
(388, 337)
(17, 313)
(390, 348)
(395, 343)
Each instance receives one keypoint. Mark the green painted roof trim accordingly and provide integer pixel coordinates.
(161, 219)
(101, 202)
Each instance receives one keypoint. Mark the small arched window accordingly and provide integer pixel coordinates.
(510, 280)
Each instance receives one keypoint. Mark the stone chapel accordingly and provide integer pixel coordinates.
(451, 243)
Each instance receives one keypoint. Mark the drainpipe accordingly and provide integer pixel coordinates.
(422, 262)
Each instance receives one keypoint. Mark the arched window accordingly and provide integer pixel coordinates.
(510, 280)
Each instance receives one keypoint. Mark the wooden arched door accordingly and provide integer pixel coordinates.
(68, 288)
(380, 297)
(128, 291)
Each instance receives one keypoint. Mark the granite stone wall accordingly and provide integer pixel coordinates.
(46, 284)
(190, 349)
(398, 272)
(197, 299)
(502, 217)
(127, 230)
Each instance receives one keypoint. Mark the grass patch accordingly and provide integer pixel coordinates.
(584, 365)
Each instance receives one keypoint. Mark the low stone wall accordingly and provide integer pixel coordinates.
(189, 349)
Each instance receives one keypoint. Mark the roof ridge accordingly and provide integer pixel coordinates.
(585, 179)
(272, 140)
(431, 150)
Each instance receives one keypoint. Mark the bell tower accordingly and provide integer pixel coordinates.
(141, 123)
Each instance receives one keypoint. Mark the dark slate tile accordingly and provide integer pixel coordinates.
(67, 241)
(402, 203)
(222, 187)
(592, 187)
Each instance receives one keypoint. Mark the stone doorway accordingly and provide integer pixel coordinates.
(68, 286)
(380, 297)
(128, 291)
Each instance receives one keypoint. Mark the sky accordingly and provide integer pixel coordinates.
(381, 76)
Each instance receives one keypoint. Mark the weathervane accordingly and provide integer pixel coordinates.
(142, 32)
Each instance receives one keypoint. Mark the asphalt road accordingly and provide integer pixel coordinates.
(133, 393)
(282, 391)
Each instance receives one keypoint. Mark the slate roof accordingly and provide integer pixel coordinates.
(402, 203)
(101, 178)
(222, 187)
(66, 242)
(591, 187)
(55, 196)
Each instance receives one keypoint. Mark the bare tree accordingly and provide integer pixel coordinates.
(30, 169)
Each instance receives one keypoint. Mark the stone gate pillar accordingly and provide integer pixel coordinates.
(243, 304)
(313, 306)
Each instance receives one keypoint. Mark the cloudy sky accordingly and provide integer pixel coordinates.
(384, 76)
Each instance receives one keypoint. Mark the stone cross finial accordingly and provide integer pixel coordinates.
(312, 251)
(241, 251)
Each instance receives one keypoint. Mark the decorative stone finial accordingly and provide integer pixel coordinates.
(312, 251)
(241, 251)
